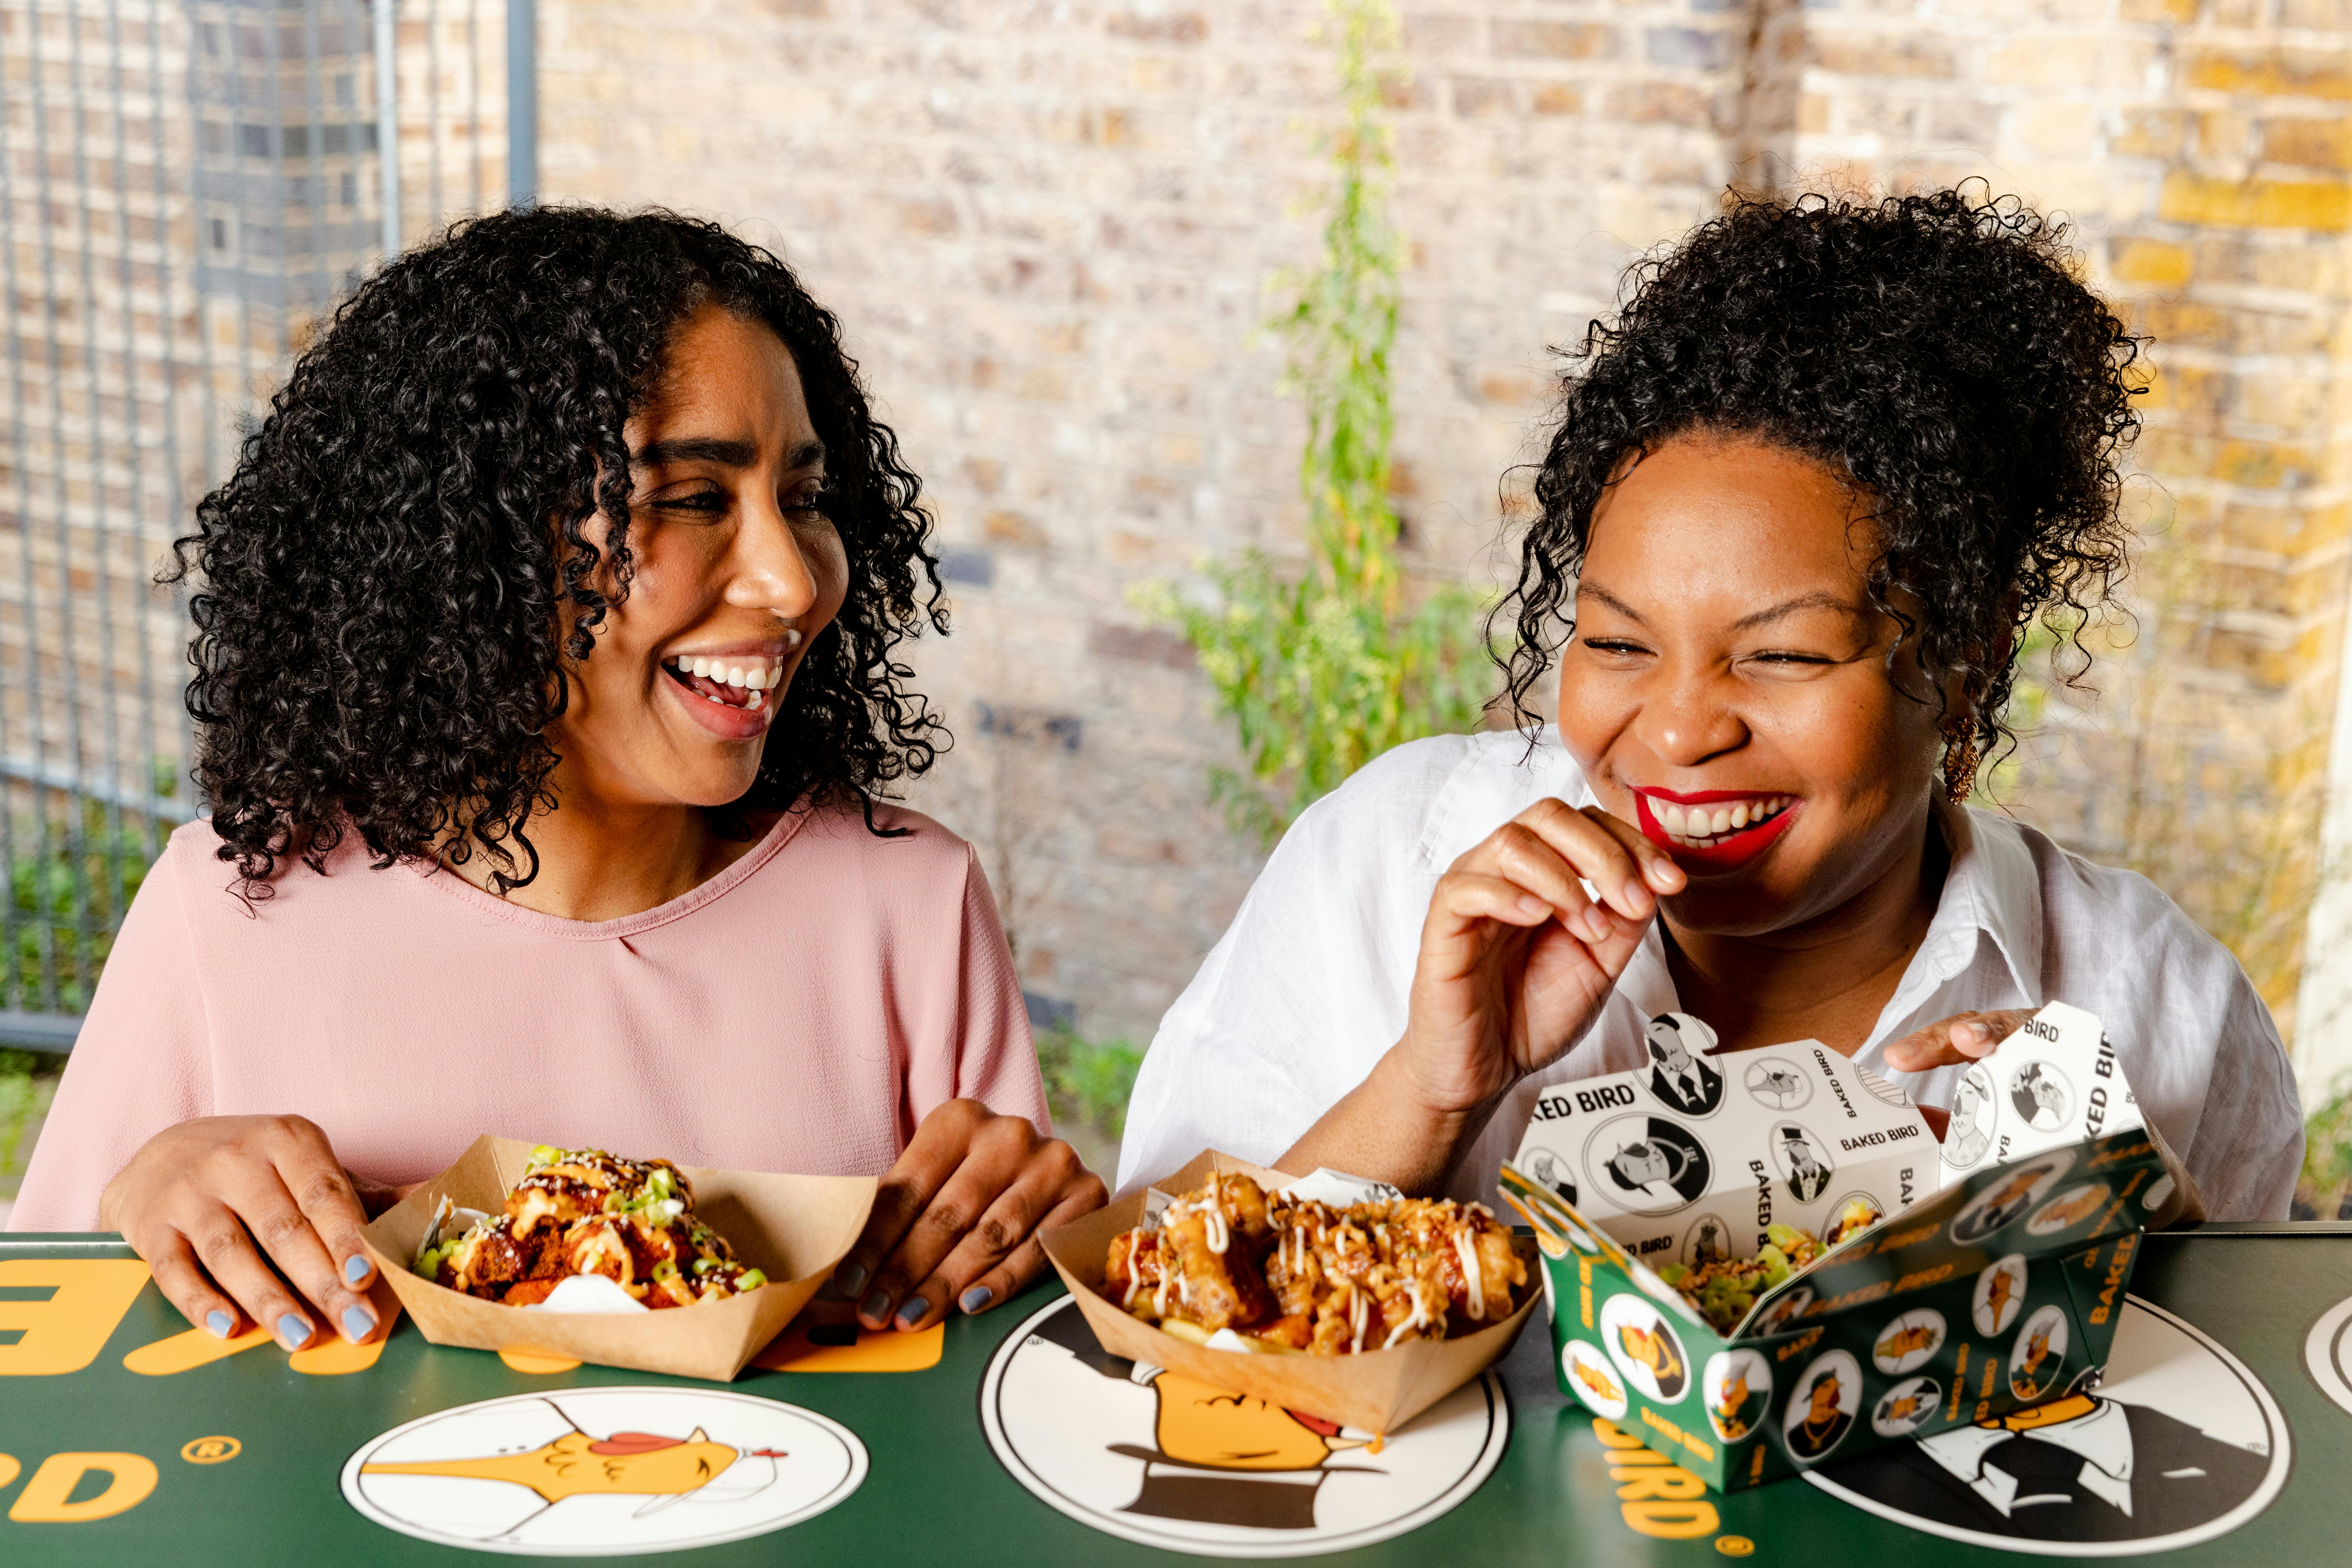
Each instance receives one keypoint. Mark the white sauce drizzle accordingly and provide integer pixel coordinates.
(1420, 1318)
(1358, 1317)
(1213, 1224)
(1467, 1250)
(1134, 1267)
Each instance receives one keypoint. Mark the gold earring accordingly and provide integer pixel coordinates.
(1961, 758)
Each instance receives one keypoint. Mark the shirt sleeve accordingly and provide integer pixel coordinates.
(141, 1063)
(2248, 1148)
(1307, 989)
(995, 1060)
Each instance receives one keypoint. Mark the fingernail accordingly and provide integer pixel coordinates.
(878, 1305)
(355, 1267)
(1596, 925)
(1636, 895)
(973, 1299)
(218, 1323)
(1531, 905)
(292, 1332)
(358, 1323)
(913, 1311)
(853, 1279)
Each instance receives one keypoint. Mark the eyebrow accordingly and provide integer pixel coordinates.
(1818, 599)
(726, 454)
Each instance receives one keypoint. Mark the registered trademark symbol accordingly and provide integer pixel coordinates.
(211, 1450)
(1734, 1545)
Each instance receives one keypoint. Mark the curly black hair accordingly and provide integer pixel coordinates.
(1935, 350)
(386, 578)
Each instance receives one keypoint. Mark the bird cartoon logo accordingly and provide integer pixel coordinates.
(698, 1466)
(1738, 1388)
(1152, 1455)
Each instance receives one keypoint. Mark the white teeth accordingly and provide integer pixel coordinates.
(1673, 820)
(756, 678)
(1701, 825)
(698, 665)
(1739, 814)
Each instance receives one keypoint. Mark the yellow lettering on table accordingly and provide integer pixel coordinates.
(538, 1363)
(1673, 1483)
(8, 1469)
(186, 1352)
(1612, 1438)
(88, 1296)
(332, 1357)
(211, 1450)
(886, 1351)
(130, 1477)
(1671, 1521)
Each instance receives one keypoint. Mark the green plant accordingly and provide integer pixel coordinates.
(1087, 1081)
(17, 1097)
(2326, 1185)
(96, 871)
(1323, 669)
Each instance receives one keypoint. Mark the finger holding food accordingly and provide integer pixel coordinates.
(963, 1159)
(1956, 1041)
(228, 1210)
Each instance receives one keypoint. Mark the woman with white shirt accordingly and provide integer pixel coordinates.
(1803, 500)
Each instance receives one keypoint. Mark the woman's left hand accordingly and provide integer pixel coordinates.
(955, 1220)
(1955, 1041)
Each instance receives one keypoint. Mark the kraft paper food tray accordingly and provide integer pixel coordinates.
(793, 1229)
(1374, 1390)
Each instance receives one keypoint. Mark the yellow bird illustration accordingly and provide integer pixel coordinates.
(1599, 1382)
(1652, 1350)
(1905, 1341)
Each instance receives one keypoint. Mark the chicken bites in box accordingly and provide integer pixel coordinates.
(1747, 1346)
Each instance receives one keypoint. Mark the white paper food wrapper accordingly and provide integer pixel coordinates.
(1695, 1156)
(1323, 1185)
(2052, 1083)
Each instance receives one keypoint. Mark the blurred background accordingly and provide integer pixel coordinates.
(1219, 330)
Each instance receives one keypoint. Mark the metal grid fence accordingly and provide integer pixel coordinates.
(186, 188)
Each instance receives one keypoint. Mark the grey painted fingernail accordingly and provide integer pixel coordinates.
(218, 1323)
(853, 1279)
(878, 1305)
(973, 1299)
(292, 1332)
(355, 1267)
(913, 1311)
(358, 1323)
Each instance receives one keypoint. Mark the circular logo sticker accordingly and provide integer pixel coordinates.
(1999, 1292)
(2039, 1351)
(2008, 1195)
(1738, 1389)
(1778, 1084)
(1647, 1164)
(2068, 1209)
(1850, 1217)
(1903, 1408)
(1969, 1136)
(1592, 1380)
(1822, 1407)
(1803, 1160)
(2041, 1095)
(1544, 1166)
(1708, 1240)
(600, 1472)
(1905, 1344)
(2178, 1445)
(1784, 1312)
(1680, 1077)
(2327, 1353)
(1646, 1348)
(1146, 1456)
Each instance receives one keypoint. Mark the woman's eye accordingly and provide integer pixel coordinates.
(817, 502)
(705, 502)
(1614, 645)
(1785, 656)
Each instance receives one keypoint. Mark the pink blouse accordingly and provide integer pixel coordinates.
(799, 1012)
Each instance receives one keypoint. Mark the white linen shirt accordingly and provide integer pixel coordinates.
(1307, 988)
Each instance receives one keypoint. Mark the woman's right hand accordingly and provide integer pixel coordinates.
(212, 1204)
(1516, 957)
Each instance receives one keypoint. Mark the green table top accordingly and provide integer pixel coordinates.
(2223, 1432)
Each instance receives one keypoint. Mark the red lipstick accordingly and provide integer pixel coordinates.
(1728, 853)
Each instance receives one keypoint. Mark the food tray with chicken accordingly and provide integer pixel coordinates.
(1754, 1350)
(1323, 1296)
(590, 1256)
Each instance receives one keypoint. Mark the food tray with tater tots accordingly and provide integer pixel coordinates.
(1327, 1295)
(1765, 1326)
(693, 1269)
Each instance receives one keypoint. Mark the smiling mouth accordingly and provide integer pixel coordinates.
(1705, 825)
(742, 683)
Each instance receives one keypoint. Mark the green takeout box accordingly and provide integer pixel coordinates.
(1999, 1291)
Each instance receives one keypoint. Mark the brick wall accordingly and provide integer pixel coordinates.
(1050, 229)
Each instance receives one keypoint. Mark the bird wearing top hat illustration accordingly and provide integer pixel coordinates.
(1807, 1175)
(1220, 1458)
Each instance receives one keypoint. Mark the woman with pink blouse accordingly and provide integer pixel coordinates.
(545, 691)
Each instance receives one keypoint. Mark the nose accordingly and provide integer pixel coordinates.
(771, 571)
(1688, 716)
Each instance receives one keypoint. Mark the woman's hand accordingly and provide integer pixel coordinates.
(957, 1218)
(1955, 1041)
(213, 1204)
(1516, 959)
